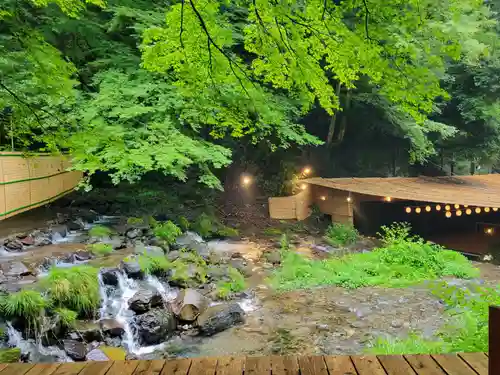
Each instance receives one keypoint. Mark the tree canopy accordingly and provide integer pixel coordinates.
(133, 86)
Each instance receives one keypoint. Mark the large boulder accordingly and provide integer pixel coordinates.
(15, 269)
(97, 355)
(134, 233)
(75, 350)
(86, 331)
(58, 232)
(13, 244)
(112, 327)
(189, 304)
(155, 326)
(219, 318)
(109, 276)
(132, 269)
(143, 300)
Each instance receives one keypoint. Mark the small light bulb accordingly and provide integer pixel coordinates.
(303, 186)
(438, 208)
(428, 208)
(323, 198)
(448, 214)
(349, 199)
(418, 210)
(486, 209)
(307, 170)
(478, 210)
(495, 209)
(468, 211)
(388, 199)
(408, 210)
(466, 205)
(489, 231)
(246, 180)
(447, 207)
(457, 206)
(459, 213)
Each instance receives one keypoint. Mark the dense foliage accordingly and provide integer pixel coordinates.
(184, 87)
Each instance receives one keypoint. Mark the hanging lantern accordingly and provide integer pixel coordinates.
(418, 210)
(428, 208)
(457, 206)
(477, 210)
(447, 207)
(448, 214)
(486, 209)
(408, 210)
(468, 211)
(438, 207)
(458, 213)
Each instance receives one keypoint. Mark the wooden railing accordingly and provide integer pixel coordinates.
(494, 340)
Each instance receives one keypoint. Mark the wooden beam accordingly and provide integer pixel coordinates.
(494, 340)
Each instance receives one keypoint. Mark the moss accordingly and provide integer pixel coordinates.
(67, 317)
(152, 264)
(100, 231)
(11, 355)
(100, 249)
(167, 232)
(235, 283)
(114, 354)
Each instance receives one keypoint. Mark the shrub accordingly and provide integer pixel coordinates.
(184, 223)
(225, 231)
(339, 234)
(67, 317)
(167, 232)
(10, 355)
(135, 221)
(396, 232)
(154, 264)
(75, 288)
(100, 249)
(26, 304)
(235, 284)
(100, 231)
(284, 242)
(204, 225)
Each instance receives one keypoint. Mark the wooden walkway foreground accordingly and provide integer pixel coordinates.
(442, 364)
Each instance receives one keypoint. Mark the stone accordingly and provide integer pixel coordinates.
(155, 326)
(97, 355)
(189, 304)
(112, 327)
(82, 255)
(143, 300)
(58, 231)
(50, 330)
(273, 257)
(134, 233)
(173, 255)
(27, 241)
(13, 244)
(219, 318)
(15, 269)
(75, 350)
(132, 269)
(397, 323)
(116, 242)
(87, 331)
(187, 240)
(75, 225)
(109, 276)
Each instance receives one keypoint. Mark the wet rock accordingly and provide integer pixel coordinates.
(217, 272)
(75, 225)
(15, 269)
(116, 242)
(173, 255)
(50, 330)
(87, 331)
(13, 244)
(41, 238)
(273, 257)
(59, 231)
(155, 326)
(75, 350)
(109, 276)
(397, 323)
(219, 318)
(113, 353)
(27, 241)
(113, 342)
(144, 300)
(189, 304)
(96, 355)
(132, 269)
(134, 233)
(187, 240)
(112, 327)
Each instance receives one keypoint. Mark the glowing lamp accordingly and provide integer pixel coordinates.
(447, 207)
(303, 186)
(448, 214)
(418, 210)
(458, 213)
(457, 206)
(489, 231)
(246, 180)
(466, 205)
(323, 198)
(468, 211)
(495, 209)
(438, 208)
(307, 170)
(428, 208)
(349, 199)
(388, 199)
(486, 209)
(408, 210)
(477, 210)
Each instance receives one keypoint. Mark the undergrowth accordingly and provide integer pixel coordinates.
(100, 249)
(67, 317)
(100, 231)
(154, 264)
(167, 232)
(26, 304)
(234, 284)
(339, 234)
(402, 261)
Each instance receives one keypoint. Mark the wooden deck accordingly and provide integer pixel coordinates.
(442, 364)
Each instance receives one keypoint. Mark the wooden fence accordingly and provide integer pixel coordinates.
(27, 182)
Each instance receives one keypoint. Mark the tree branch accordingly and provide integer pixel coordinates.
(367, 14)
(182, 24)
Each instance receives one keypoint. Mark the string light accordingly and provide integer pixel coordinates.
(457, 206)
(428, 208)
(468, 211)
(478, 210)
(447, 207)
(486, 209)
(466, 205)
(418, 210)
(408, 210)
(448, 214)
(459, 213)
(323, 198)
(388, 199)
(495, 209)
(438, 207)
(307, 170)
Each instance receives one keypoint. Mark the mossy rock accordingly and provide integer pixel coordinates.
(114, 354)
(10, 355)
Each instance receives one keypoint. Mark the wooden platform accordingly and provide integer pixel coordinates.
(442, 364)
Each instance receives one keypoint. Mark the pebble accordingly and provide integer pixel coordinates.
(322, 327)
(397, 323)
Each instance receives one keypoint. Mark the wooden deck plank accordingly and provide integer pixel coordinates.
(258, 365)
(3, 365)
(339, 365)
(478, 361)
(367, 365)
(122, 368)
(96, 368)
(43, 369)
(453, 364)
(313, 365)
(423, 364)
(70, 368)
(230, 365)
(395, 365)
(17, 368)
(153, 367)
(284, 365)
(203, 366)
(176, 367)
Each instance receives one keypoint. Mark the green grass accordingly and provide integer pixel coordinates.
(339, 234)
(167, 232)
(100, 249)
(154, 264)
(67, 317)
(26, 304)
(75, 288)
(100, 231)
(401, 262)
(235, 284)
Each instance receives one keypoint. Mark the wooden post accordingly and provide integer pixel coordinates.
(494, 340)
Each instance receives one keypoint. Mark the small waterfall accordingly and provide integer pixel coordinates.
(167, 293)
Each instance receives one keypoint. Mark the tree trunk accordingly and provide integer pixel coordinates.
(343, 121)
(331, 128)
